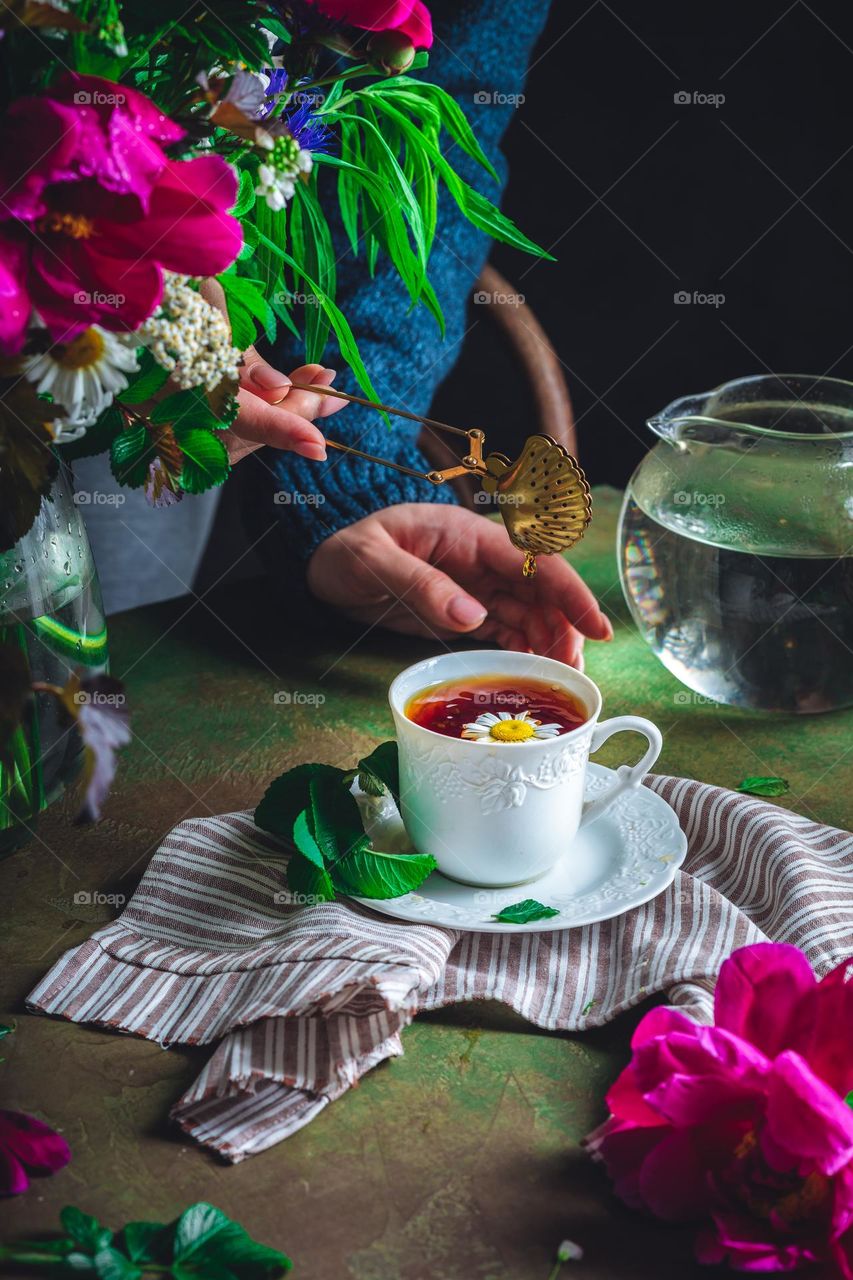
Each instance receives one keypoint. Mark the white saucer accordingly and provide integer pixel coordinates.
(622, 860)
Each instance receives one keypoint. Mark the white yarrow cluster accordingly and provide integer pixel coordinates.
(278, 175)
(189, 337)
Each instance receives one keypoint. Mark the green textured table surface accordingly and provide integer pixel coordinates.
(458, 1161)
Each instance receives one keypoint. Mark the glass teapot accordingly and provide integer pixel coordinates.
(736, 542)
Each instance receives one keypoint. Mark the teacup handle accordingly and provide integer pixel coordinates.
(627, 775)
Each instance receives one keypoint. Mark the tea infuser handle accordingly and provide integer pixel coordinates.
(627, 775)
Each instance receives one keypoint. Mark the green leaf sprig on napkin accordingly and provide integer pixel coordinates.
(312, 806)
(203, 1242)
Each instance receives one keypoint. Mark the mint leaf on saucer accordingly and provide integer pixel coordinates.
(764, 786)
(313, 808)
(285, 798)
(524, 912)
(334, 816)
(369, 873)
(308, 883)
(380, 771)
(303, 838)
(307, 876)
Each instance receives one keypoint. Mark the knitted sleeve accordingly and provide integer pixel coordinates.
(480, 56)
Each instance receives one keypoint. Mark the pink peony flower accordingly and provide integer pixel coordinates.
(27, 1144)
(744, 1125)
(410, 17)
(93, 210)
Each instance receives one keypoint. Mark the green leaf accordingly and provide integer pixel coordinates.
(110, 1264)
(243, 330)
(303, 838)
(77, 1261)
(451, 114)
(187, 408)
(369, 873)
(476, 207)
(307, 881)
(146, 1241)
(85, 1230)
(250, 241)
(146, 383)
(523, 912)
(849, 1098)
(5, 1030)
(245, 195)
(205, 1238)
(249, 295)
(319, 263)
(380, 771)
(343, 332)
(277, 27)
(281, 309)
(205, 459)
(286, 797)
(387, 166)
(335, 818)
(764, 786)
(131, 453)
(486, 216)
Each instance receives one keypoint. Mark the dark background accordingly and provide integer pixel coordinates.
(639, 197)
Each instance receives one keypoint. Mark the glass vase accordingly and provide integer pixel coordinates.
(50, 609)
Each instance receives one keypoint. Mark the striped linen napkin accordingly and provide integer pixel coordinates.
(301, 1002)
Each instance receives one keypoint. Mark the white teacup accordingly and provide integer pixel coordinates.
(501, 813)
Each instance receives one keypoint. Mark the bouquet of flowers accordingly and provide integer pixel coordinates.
(146, 153)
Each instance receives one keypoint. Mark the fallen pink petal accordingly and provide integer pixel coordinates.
(27, 1146)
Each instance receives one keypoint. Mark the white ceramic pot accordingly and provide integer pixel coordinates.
(502, 813)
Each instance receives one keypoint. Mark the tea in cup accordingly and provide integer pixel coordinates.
(493, 751)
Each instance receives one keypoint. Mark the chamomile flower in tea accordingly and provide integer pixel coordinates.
(506, 727)
(490, 709)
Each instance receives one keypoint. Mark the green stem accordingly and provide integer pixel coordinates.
(21, 782)
(35, 1257)
(365, 69)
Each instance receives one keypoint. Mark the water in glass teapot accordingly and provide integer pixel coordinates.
(736, 543)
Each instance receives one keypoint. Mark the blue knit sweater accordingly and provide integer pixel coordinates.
(481, 52)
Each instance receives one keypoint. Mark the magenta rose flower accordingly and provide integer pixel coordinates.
(93, 210)
(744, 1126)
(411, 18)
(27, 1146)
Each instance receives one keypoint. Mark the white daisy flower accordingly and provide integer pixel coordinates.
(506, 727)
(83, 376)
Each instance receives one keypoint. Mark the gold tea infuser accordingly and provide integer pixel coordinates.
(543, 496)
